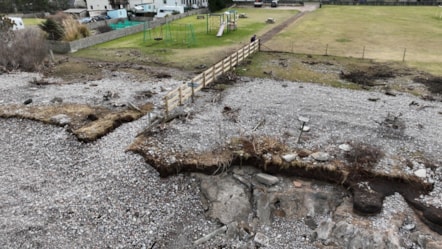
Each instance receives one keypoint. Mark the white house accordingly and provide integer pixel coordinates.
(97, 7)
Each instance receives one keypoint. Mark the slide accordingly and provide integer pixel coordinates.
(221, 29)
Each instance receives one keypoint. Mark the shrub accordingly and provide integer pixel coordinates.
(26, 50)
(62, 26)
(363, 156)
(53, 29)
(73, 30)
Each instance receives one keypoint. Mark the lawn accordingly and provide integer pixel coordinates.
(175, 48)
(412, 34)
(32, 21)
(382, 33)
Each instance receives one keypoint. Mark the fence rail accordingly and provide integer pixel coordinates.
(179, 95)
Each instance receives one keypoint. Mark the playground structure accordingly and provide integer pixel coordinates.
(172, 33)
(222, 21)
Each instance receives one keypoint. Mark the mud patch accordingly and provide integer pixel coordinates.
(433, 83)
(368, 77)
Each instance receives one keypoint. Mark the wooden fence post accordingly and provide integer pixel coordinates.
(363, 52)
(180, 95)
(166, 106)
(403, 57)
(326, 49)
(204, 79)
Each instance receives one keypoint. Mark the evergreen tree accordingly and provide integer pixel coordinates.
(53, 29)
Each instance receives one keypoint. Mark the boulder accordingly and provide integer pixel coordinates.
(227, 200)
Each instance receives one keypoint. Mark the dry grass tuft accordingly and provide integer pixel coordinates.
(73, 30)
(363, 156)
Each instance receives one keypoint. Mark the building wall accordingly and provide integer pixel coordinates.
(98, 5)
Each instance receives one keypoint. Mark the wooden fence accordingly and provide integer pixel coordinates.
(182, 93)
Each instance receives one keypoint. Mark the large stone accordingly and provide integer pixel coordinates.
(367, 202)
(321, 156)
(263, 206)
(261, 240)
(289, 157)
(422, 173)
(345, 147)
(324, 229)
(227, 200)
(266, 179)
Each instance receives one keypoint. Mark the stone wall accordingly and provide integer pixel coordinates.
(70, 47)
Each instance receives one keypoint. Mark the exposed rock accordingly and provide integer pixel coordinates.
(345, 147)
(324, 229)
(61, 119)
(289, 157)
(409, 226)
(266, 179)
(27, 102)
(261, 240)
(262, 204)
(297, 184)
(367, 202)
(321, 156)
(421, 173)
(227, 199)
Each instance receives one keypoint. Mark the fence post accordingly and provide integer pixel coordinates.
(326, 49)
(180, 95)
(166, 106)
(403, 57)
(363, 52)
(204, 79)
(193, 92)
(214, 73)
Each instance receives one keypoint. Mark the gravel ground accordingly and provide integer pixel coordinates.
(57, 192)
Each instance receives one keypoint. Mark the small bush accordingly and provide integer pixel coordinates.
(54, 31)
(64, 27)
(26, 51)
(73, 30)
(363, 156)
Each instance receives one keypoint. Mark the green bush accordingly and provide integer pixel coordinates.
(53, 29)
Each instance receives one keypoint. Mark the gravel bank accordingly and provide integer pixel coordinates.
(56, 192)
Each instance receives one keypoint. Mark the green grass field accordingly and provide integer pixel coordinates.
(32, 21)
(206, 49)
(382, 33)
(376, 32)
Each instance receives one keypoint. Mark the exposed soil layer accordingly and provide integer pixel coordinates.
(369, 188)
(87, 123)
